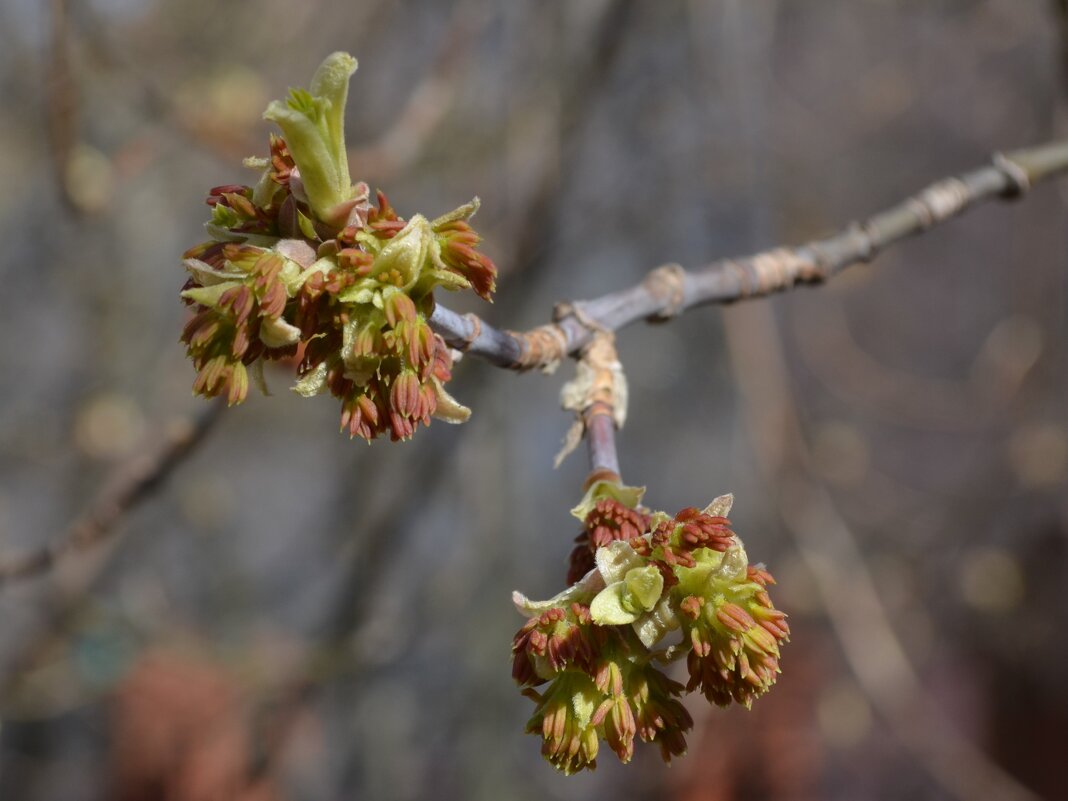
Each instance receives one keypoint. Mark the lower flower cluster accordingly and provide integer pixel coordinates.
(637, 576)
(601, 688)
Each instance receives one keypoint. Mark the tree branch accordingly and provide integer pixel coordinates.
(132, 483)
(62, 103)
(670, 290)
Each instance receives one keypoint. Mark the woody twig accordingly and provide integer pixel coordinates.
(671, 290)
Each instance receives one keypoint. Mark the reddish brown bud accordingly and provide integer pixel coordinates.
(401, 428)
(366, 342)
(226, 189)
(244, 257)
(691, 606)
(239, 347)
(405, 394)
(458, 243)
(384, 211)
(360, 416)
(239, 302)
(356, 261)
(273, 300)
(241, 204)
(441, 368)
(611, 520)
(399, 307)
(387, 229)
(428, 403)
(581, 560)
(760, 575)
(204, 320)
(735, 618)
(368, 409)
(281, 161)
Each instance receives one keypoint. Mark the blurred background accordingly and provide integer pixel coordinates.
(295, 616)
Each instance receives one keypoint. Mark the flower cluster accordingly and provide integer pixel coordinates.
(636, 576)
(302, 268)
(601, 688)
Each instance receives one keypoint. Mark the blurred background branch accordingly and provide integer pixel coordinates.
(132, 483)
(846, 588)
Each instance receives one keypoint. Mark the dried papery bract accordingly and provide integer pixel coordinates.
(597, 642)
(302, 269)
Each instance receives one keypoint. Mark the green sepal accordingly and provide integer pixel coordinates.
(307, 227)
(406, 253)
(464, 212)
(324, 265)
(209, 295)
(369, 242)
(224, 216)
(696, 580)
(363, 291)
(584, 702)
(581, 592)
(255, 372)
(622, 602)
(290, 276)
(433, 278)
(714, 572)
(220, 234)
(206, 275)
(348, 337)
(645, 585)
(609, 608)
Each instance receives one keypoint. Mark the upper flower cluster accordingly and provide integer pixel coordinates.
(303, 268)
(636, 576)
